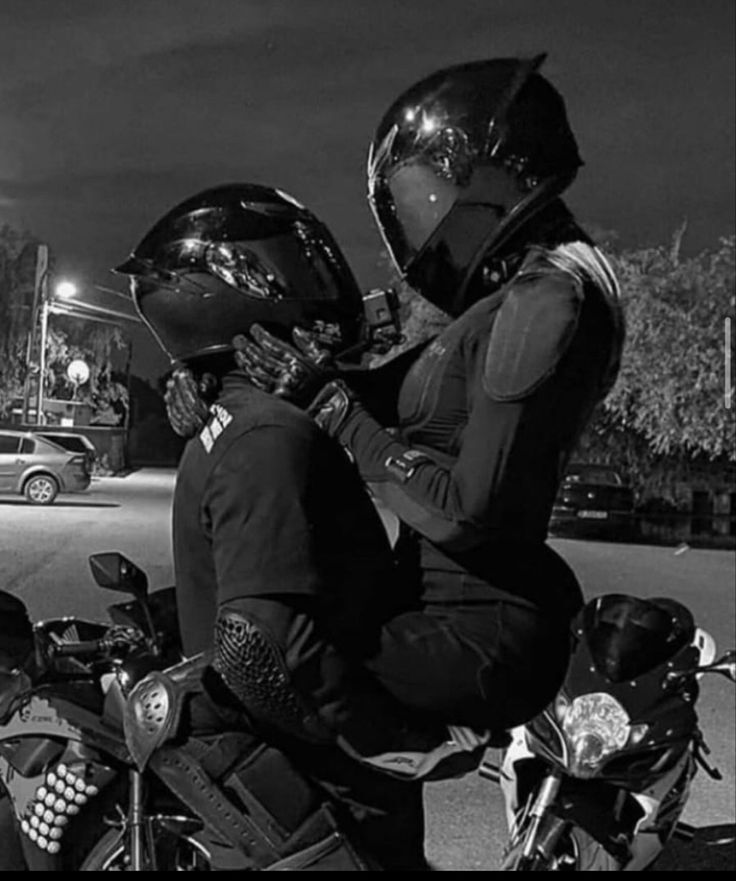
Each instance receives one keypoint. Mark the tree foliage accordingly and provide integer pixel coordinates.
(671, 389)
(17, 275)
(68, 339)
(669, 400)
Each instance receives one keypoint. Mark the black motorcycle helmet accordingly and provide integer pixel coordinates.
(459, 162)
(236, 255)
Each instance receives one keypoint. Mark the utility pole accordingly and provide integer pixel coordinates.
(39, 295)
(42, 355)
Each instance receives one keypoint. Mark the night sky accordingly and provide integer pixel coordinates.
(111, 111)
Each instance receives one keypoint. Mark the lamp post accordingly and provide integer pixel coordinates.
(39, 287)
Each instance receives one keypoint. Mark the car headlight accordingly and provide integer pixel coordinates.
(595, 727)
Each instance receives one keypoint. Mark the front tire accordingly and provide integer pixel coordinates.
(175, 841)
(41, 489)
(574, 851)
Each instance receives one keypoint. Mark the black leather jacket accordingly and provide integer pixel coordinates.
(487, 416)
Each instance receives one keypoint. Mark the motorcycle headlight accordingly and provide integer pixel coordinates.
(595, 727)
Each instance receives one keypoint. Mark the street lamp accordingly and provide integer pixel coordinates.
(65, 290)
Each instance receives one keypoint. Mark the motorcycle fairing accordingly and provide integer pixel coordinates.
(153, 709)
(661, 803)
(22, 789)
(46, 716)
(658, 806)
(151, 717)
(663, 702)
(66, 789)
(43, 715)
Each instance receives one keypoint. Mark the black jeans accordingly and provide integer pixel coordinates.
(488, 664)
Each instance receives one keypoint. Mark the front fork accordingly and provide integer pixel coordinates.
(545, 799)
(136, 821)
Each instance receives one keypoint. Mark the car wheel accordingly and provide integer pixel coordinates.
(41, 489)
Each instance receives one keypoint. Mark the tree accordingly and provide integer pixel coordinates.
(671, 389)
(68, 338)
(668, 405)
(17, 275)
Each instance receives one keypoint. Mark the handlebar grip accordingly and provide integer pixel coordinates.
(74, 649)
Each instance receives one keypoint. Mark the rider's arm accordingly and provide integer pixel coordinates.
(512, 406)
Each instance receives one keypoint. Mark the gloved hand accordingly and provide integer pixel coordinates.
(187, 412)
(293, 372)
(332, 406)
(122, 636)
(420, 765)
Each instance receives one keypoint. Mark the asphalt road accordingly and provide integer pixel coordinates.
(43, 554)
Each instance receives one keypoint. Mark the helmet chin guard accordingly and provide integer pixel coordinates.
(237, 255)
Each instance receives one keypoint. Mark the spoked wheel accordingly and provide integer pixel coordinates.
(41, 489)
(171, 844)
(573, 851)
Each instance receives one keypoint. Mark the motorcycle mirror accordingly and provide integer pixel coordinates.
(725, 665)
(113, 571)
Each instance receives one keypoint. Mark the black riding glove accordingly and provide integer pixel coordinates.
(332, 406)
(293, 372)
(187, 411)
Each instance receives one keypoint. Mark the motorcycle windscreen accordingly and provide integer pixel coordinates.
(628, 637)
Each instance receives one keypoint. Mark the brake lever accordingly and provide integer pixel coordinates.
(701, 750)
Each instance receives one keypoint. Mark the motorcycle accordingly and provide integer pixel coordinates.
(89, 760)
(80, 802)
(598, 780)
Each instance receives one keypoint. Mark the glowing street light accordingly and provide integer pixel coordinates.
(65, 290)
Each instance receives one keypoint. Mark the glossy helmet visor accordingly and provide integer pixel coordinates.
(459, 162)
(233, 256)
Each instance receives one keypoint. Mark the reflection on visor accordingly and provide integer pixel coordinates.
(241, 268)
(414, 175)
(298, 266)
(443, 147)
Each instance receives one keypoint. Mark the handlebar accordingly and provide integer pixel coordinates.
(73, 649)
(116, 638)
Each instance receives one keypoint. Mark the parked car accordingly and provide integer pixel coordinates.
(75, 443)
(593, 499)
(38, 468)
